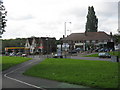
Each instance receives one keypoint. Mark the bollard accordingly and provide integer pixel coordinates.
(117, 59)
(114, 58)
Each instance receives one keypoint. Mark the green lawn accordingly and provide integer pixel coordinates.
(92, 55)
(7, 61)
(101, 74)
(116, 53)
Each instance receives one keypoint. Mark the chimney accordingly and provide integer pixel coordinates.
(111, 37)
(63, 36)
(111, 34)
(85, 33)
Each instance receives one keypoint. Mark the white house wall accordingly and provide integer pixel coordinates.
(27, 45)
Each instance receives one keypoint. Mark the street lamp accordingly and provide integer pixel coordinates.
(65, 36)
(65, 27)
(47, 46)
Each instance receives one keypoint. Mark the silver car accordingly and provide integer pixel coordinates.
(104, 55)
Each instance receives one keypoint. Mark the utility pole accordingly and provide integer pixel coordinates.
(47, 46)
(65, 37)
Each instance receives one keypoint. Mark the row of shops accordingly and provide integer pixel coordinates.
(84, 41)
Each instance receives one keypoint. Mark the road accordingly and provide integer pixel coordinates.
(13, 78)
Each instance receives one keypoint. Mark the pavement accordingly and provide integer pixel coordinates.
(13, 78)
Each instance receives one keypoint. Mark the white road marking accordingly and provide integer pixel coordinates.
(6, 75)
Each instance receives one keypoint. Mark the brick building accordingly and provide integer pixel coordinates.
(41, 45)
(87, 40)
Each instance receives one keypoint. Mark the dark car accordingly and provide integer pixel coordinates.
(96, 50)
(19, 53)
(6, 53)
(73, 52)
(104, 55)
(103, 50)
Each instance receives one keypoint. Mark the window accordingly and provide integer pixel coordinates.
(93, 41)
(76, 41)
(105, 40)
(90, 41)
(96, 41)
(87, 41)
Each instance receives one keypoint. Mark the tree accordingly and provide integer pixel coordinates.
(3, 20)
(92, 20)
(18, 42)
(116, 38)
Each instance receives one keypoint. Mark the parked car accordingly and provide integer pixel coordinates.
(96, 50)
(78, 49)
(6, 53)
(117, 48)
(2, 52)
(24, 55)
(57, 56)
(103, 50)
(12, 54)
(73, 52)
(19, 53)
(104, 55)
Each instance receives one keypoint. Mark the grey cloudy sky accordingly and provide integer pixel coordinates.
(42, 18)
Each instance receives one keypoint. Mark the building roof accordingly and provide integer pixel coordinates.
(30, 40)
(38, 39)
(88, 36)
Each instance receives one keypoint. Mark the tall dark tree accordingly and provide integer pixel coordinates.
(3, 20)
(92, 20)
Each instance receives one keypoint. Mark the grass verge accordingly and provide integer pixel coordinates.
(92, 55)
(8, 61)
(101, 74)
(116, 53)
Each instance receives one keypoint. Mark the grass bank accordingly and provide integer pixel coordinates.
(102, 74)
(116, 53)
(7, 61)
(92, 55)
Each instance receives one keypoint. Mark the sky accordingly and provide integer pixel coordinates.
(46, 18)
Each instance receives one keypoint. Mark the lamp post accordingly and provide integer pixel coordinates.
(65, 36)
(65, 26)
(47, 46)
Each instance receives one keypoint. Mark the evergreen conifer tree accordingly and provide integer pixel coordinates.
(92, 20)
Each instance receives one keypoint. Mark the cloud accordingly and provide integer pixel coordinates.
(78, 12)
(46, 17)
(108, 9)
(25, 17)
